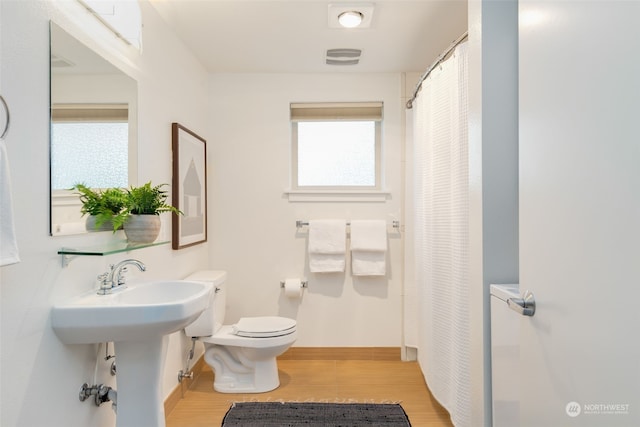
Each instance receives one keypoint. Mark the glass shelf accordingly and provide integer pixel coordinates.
(104, 249)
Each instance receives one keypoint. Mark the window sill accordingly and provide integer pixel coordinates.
(375, 196)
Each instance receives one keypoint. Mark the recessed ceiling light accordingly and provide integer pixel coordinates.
(359, 13)
(350, 19)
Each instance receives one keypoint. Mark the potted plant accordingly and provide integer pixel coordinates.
(101, 206)
(140, 217)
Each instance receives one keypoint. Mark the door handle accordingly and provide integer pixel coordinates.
(526, 305)
(7, 116)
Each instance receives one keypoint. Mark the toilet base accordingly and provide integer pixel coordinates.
(264, 378)
(241, 369)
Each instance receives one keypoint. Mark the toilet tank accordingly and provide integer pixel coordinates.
(211, 319)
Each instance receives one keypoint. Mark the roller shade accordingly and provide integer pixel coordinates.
(336, 111)
(90, 113)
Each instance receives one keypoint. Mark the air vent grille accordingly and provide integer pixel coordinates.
(343, 56)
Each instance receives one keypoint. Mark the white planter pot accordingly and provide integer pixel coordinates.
(90, 225)
(142, 228)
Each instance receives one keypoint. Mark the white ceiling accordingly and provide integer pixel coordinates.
(292, 36)
(70, 56)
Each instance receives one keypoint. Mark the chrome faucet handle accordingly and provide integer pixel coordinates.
(115, 277)
(120, 278)
(105, 285)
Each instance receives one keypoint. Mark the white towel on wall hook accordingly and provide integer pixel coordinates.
(8, 245)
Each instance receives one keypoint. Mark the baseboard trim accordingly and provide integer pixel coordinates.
(342, 353)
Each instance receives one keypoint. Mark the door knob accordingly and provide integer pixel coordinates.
(7, 117)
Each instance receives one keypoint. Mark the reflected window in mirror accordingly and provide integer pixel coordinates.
(82, 137)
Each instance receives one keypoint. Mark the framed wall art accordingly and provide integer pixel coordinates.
(189, 187)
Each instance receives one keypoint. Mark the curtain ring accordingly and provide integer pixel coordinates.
(6, 109)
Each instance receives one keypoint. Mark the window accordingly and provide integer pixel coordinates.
(336, 146)
(90, 145)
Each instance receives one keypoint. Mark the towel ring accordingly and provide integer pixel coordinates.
(6, 110)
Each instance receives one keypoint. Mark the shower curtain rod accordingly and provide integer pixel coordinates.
(441, 58)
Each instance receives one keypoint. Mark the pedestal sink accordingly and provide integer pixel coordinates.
(138, 320)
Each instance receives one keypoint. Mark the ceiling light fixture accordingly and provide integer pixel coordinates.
(360, 14)
(350, 19)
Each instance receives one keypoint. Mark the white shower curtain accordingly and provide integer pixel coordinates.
(441, 234)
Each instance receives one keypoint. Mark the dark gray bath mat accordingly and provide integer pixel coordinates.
(272, 414)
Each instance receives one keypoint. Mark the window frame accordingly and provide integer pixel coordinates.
(92, 113)
(335, 112)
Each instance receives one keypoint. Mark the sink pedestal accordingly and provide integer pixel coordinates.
(138, 320)
(139, 382)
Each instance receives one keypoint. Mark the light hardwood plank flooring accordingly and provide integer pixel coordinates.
(344, 381)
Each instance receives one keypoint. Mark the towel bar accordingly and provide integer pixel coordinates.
(301, 223)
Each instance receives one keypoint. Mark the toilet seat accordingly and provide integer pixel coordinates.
(255, 332)
(264, 327)
(226, 337)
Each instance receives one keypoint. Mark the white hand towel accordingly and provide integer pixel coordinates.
(327, 245)
(8, 245)
(368, 247)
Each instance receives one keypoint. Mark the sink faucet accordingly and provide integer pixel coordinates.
(114, 278)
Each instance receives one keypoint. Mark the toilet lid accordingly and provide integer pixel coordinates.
(264, 327)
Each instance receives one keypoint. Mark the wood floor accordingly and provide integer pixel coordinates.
(355, 381)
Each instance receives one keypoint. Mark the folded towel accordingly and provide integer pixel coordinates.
(368, 263)
(327, 245)
(369, 235)
(368, 247)
(8, 245)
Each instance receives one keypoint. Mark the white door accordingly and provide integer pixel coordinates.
(580, 212)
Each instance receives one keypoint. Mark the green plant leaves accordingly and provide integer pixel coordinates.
(116, 204)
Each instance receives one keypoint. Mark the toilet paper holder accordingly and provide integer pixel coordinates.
(303, 283)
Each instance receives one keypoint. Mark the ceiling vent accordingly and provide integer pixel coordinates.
(60, 62)
(343, 56)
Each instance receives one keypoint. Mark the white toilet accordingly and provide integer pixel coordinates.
(242, 356)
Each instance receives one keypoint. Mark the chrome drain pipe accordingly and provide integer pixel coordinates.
(101, 394)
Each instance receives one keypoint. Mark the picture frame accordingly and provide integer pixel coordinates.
(189, 187)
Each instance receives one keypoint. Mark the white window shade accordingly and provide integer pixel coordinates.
(90, 113)
(336, 111)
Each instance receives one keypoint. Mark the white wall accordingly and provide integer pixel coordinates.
(410, 308)
(253, 232)
(493, 176)
(41, 377)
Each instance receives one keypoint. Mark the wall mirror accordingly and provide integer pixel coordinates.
(93, 138)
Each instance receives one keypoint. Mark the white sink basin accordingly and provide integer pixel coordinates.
(138, 312)
(137, 319)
